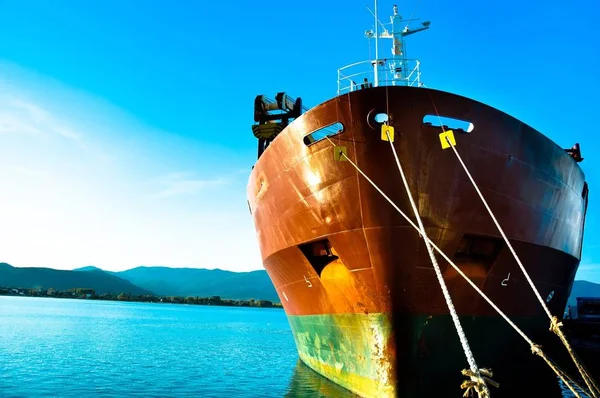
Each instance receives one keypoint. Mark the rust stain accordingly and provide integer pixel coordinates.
(343, 325)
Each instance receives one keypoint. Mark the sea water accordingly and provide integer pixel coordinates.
(72, 348)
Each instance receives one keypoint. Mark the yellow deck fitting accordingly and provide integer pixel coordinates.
(340, 153)
(449, 134)
(385, 130)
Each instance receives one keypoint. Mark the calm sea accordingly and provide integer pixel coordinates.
(67, 348)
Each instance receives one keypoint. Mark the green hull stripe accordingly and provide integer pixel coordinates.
(358, 351)
(352, 350)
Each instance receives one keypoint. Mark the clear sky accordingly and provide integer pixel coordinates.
(125, 126)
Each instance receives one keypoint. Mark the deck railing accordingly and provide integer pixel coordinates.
(391, 72)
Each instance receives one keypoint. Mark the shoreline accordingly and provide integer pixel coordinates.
(89, 294)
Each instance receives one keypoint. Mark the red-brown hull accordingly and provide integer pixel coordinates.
(299, 193)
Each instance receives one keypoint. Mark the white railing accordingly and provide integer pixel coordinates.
(390, 72)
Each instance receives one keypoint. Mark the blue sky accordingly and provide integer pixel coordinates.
(125, 126)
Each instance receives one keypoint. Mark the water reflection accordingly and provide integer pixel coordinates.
(307, 383)
(566, 393)
(588, 351)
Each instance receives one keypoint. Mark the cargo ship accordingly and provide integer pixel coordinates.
(355, 278)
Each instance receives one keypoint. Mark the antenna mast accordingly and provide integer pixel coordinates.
(376, 63)
(402, 71)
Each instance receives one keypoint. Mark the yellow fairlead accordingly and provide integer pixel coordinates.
(387, 131)
(446, 136)
(340, 153)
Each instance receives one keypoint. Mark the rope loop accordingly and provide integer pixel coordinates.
(478, 383)
(555, 325)
(537, 350)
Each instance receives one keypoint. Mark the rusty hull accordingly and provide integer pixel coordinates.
(360, 321)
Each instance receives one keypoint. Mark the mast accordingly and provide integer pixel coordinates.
(398, 57)
(401, 68)
(376, 63)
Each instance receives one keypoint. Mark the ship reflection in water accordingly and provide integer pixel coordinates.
(307, 383)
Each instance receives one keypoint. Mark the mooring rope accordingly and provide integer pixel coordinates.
(478, 382)
(535, 348)
(555, 325)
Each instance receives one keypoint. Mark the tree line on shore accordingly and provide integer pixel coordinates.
(90, 294)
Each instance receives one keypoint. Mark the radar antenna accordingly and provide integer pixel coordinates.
(399, 62)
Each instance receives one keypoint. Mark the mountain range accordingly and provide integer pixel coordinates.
(184, 282)
(160, 281)
(583, 289)
(34, 277)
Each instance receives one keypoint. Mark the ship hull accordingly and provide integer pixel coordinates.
(355, 280)
(345, 349)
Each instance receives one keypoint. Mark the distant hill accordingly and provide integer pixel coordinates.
(90, 268)
(242, 285)
(202, 282)
(162, 281)
(583, 289)
(102, 282)
(166, 281)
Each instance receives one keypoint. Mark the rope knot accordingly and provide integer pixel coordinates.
(555, 325)
(478, 382)
(537, 349)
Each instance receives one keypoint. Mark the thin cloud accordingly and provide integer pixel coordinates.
(20, 116)
(29, 171)
(178, 184)
(11, 124)
(36, 112)
(122, 202)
